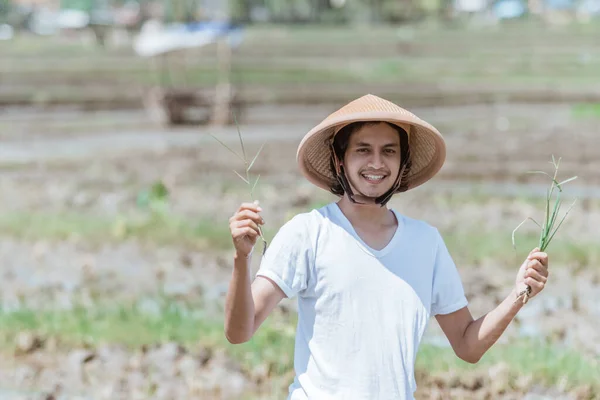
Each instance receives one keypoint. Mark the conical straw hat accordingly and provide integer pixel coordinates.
(427, 146)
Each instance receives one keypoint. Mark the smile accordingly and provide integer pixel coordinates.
(373, 178)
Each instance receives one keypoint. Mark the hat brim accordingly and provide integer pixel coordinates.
(427, 147)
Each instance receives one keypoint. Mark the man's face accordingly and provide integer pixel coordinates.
(372, 159)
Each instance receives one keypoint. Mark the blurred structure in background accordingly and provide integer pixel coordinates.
(176, 105)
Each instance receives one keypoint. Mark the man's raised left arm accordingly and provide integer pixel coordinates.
(470, 338)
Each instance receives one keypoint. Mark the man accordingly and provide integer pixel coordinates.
(367, 278)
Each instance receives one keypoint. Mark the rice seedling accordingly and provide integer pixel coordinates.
(248, 164)
(549, 227)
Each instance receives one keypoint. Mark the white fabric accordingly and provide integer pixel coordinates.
(361, 312)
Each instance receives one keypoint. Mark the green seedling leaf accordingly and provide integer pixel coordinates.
(240, 136)
(255, 158)
(540, 172)
(247, 179)
(548, 228)
(544, 173)
(567, 180)
(227, 147)
(517, 228)
(560, 223)
(241, 177)
(254, 186)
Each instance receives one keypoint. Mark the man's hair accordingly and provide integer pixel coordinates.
(340, 145)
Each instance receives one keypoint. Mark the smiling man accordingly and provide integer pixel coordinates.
(367, 278)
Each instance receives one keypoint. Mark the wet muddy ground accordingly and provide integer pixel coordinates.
(67, 163)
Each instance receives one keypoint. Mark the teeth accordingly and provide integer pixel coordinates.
(374, 177)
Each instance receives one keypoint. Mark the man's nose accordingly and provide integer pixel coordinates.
(376, 161)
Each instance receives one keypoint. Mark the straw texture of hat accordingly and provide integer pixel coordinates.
(427, 146)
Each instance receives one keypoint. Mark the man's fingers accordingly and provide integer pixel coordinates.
(245, 231)
(535, 285)
(247, 214)
(539, 255)
(534, 274)
(537, 266)
(247, 223)
(250, 206)
(536, 271)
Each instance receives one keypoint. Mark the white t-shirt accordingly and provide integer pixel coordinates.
(361, 312)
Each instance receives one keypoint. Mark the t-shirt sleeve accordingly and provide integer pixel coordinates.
(289, 259)
(448, 292)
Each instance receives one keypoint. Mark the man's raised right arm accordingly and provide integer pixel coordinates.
(248, 302)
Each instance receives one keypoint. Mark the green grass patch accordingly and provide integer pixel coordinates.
(546, 363)
(93, 229)
(591, 110)
(273, 344)
(474, 248)
(469, 247)
(130, 325)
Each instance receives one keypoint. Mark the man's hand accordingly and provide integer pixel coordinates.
(533, 273)
(248, 302)
(244, 227)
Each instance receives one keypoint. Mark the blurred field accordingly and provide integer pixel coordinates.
(114, 247)
(415, 65)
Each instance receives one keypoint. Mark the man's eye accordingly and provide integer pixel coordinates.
(363, 150)
(390, 151)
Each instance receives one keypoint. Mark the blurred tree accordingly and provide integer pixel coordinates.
(81, 5)
(318, 8)
(181, 10)
(285, 11)
(399, 10)
(4, 10)
(347, 11)
(446, 10)
(241, 10)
